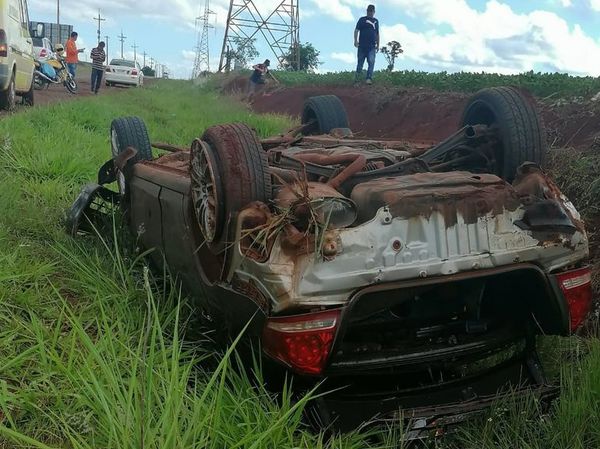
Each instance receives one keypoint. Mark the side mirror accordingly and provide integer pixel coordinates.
(38, 31)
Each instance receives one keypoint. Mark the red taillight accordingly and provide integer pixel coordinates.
(302, 342)
(3, 44)
(577, 287)
(134, 72)
(43, 53)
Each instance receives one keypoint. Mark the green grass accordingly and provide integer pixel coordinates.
(95, 352)
(539, 84)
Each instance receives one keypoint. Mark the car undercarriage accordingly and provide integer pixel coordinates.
(408, 277)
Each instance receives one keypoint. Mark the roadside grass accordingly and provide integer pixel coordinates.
(95, 352)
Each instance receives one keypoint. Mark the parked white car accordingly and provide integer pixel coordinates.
(16, 53)
(42, 48)
(123, 71)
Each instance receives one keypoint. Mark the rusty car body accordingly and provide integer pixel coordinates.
(412, 276)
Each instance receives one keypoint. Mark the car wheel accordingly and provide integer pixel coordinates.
(128, 132)
(522, 135)
(327, 112)
(28, 97)
(229, 169)
(8, 96)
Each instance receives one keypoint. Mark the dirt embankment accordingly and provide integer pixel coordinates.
(423, 114)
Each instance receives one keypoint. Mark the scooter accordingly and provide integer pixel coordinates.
(54, 71)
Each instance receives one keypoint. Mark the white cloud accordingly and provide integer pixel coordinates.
(566, 3)
(338, 9)
(496, 39)
(345, 57)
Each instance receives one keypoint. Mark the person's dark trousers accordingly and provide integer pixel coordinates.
(369, 55)
(96, 79)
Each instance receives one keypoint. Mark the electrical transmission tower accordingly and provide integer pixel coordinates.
(280, 29)
(202, 60)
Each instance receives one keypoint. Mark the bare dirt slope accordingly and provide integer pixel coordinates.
(423, 114)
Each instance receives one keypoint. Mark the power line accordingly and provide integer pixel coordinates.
(280, 29)
(145, 54)
(99, 19)
(122, 39)
(202, 59)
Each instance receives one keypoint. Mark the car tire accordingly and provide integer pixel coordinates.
(327, 112)
(522, 134)
(128, 132)
(8, 100)
(238, 167)
(27, 98)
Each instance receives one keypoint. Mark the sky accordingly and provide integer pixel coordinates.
(503, 36)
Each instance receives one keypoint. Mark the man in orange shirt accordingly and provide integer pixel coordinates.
(72, 54)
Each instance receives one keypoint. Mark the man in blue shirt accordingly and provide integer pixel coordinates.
(366, 39)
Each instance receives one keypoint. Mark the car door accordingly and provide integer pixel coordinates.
(20, 43)
(28, 54)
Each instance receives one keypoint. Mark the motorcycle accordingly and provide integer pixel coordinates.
(53, 71)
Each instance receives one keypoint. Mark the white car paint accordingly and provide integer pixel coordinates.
(18, 62)
(122, 71)
(42, 48)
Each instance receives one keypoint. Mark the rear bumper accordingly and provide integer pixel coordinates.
(121, 79)
(433, 409)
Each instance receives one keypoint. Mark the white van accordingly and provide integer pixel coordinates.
(16, 53)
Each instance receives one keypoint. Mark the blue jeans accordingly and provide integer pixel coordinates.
(369, 55)
(72, 66)
(96, 79)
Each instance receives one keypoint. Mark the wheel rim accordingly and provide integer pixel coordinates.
(205, 191)
(114, 141)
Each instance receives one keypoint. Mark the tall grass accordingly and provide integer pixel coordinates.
(95, 352)
(540, 84)
(91, 347)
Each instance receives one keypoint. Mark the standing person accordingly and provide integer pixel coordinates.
(366, 40)
(258, 76)
(72, 54)
(98, 57)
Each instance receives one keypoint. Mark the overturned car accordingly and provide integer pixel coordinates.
(412, 276)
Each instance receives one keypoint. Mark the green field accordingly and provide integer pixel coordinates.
(540, 84)
(96, 352)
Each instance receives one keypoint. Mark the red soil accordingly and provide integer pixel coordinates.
(423, 114)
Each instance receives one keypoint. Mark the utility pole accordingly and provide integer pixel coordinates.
(122, 39)
(99, 19)
(145, 54)
(280, 30)
(106, 39)
(58, 20)
(202, 60)
(135, 47)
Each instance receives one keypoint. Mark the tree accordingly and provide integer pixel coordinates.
(391, 51)
(309, 58)
(147, 71)
(243, 51)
